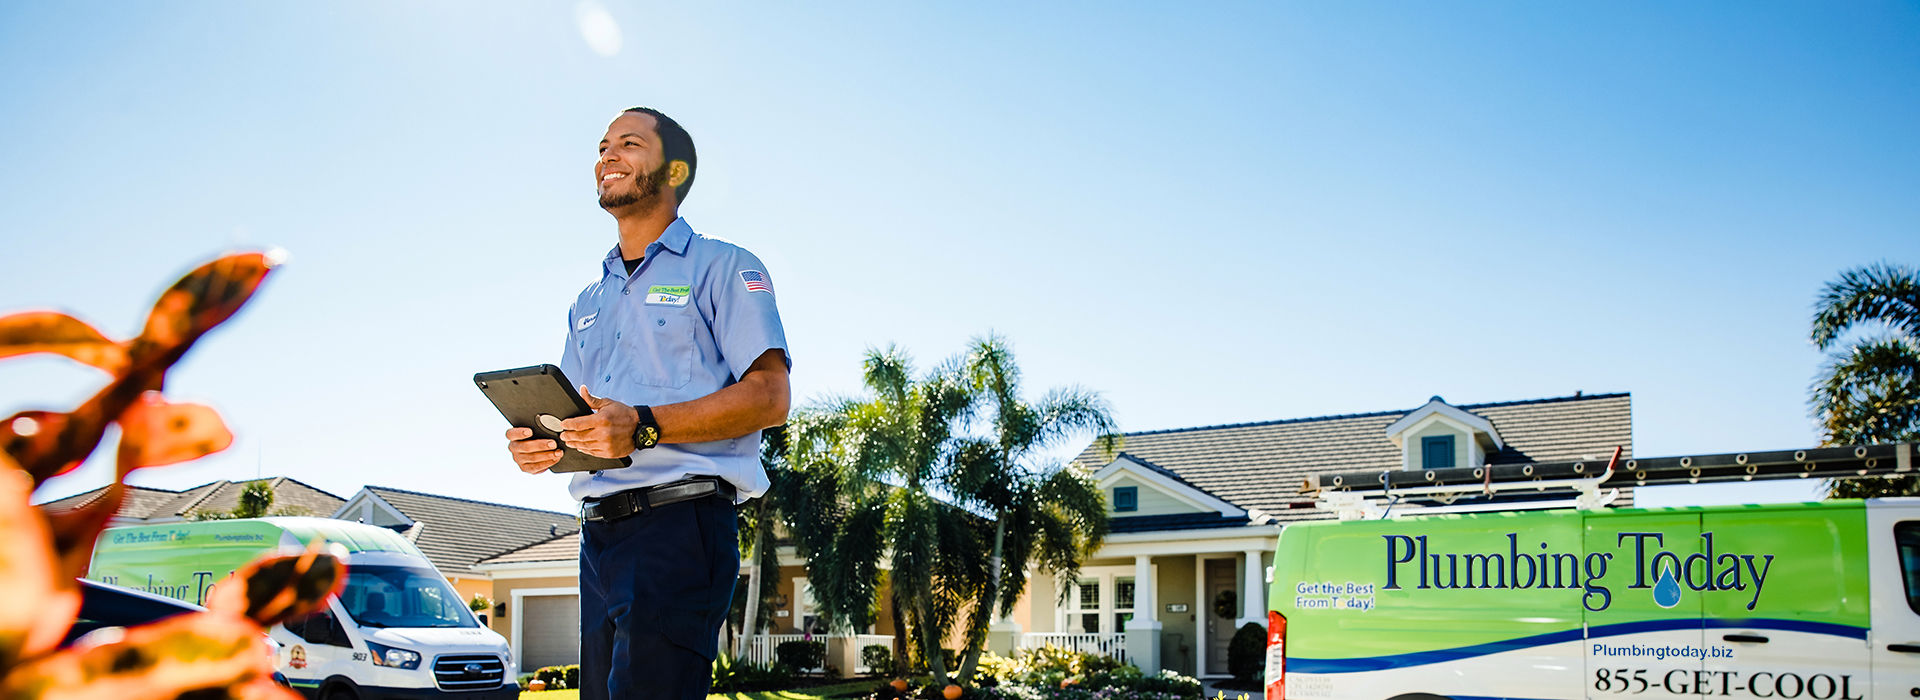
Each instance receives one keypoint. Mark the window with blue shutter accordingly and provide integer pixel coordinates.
(1126, 499)
(1436, 452)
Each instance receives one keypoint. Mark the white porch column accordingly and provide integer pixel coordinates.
(1143, 631)
(1253, 591)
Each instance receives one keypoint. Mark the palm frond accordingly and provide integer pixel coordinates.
(1871, 393)
(1882, 292)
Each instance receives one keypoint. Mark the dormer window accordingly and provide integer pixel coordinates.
(1442, 436)
(1436, 452)
(1126, 499)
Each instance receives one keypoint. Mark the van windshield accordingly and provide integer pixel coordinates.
(402, 596)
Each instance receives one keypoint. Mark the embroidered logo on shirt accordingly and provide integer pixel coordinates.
(586, 321)
(669, 295)
(756, 281)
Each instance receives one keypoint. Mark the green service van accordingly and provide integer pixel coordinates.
(397, 630)
(1810, 601)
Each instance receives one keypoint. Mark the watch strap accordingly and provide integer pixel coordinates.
(646, 432)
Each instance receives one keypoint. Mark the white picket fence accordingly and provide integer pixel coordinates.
(760, 647)
(862, 641)
(1113, 645)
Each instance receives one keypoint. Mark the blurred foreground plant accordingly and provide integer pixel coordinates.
(219, 653)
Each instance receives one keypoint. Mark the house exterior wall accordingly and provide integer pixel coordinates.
(1035, 611)
(468, 587)
(1153, 501)
(789, 622)
(1177, 636)
(503, 591)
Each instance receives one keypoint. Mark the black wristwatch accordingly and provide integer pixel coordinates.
(646, 433)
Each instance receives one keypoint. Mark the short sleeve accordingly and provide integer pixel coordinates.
(746, 318)
(570, 363)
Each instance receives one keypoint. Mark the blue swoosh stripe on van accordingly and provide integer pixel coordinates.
(1828, 628)
(1421, 658)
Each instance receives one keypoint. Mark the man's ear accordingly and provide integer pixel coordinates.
(677, 173)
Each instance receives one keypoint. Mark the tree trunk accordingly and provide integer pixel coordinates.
(930, 645)
(977, 640)
(753, 583)
(901, 668)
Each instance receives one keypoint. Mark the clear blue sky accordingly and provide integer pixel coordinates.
(1224, 213)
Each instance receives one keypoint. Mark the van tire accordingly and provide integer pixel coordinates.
(339, 691)
(1419, 696)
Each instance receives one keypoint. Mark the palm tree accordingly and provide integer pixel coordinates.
(1042, 514)
(1869, 389)
(876, 464)
(758, 522)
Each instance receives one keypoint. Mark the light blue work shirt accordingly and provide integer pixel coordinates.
(688, 322)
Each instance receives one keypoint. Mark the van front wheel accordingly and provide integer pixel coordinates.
(339, 691)
(1419, 696)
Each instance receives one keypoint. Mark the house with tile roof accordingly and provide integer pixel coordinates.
(1194, 513)
(456, 533)
(145, 505)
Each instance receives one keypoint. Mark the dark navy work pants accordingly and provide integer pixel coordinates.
(654, 590)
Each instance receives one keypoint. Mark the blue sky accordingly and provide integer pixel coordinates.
(1230, 213)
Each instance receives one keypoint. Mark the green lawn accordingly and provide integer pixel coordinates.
(814, 693)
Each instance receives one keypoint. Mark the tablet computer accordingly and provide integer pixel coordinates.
(538, 398)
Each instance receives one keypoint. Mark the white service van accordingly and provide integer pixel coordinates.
(1807, 601)
(397, 630)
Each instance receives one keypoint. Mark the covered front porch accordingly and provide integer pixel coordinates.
(1161, 600)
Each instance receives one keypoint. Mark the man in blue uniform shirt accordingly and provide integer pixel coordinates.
(678, 348)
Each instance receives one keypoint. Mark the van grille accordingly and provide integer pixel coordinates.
(469, 671)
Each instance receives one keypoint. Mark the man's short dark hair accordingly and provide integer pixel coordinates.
(675, 144)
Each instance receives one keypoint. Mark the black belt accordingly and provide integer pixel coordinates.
(637, 501)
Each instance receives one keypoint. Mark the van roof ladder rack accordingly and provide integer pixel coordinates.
(1361, 494)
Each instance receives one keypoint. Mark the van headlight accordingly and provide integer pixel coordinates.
(391, 657)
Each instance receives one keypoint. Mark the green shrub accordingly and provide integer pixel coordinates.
(801, 654)
(738, 675)
(573, 675)
(554, 676)
(877, 658)
(1247, 653)
(524, 679)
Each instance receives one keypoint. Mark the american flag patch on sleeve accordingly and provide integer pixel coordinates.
(756, 281)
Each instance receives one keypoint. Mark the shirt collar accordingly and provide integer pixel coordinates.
(675, 238)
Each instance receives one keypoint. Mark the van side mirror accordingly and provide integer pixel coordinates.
(322, 628)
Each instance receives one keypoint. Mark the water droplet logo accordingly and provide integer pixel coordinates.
(1666, 591)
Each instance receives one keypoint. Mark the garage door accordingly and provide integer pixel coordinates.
(551, 624)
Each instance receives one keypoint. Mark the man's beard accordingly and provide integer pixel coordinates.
(645, 193)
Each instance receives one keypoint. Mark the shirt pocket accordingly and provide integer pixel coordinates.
(661, 350)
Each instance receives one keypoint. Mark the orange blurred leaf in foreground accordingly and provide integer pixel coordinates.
(274, 589)
(39, 604)
(202, 299)
(160, 661)
(54, 332)
(154, 432)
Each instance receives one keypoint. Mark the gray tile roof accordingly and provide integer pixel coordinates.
(1263, 465)
(565, 548)
(456, 533)
(145, 503)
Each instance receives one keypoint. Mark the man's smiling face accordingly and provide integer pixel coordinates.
(632, 170)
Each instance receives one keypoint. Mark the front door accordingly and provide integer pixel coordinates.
(1221, 609)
